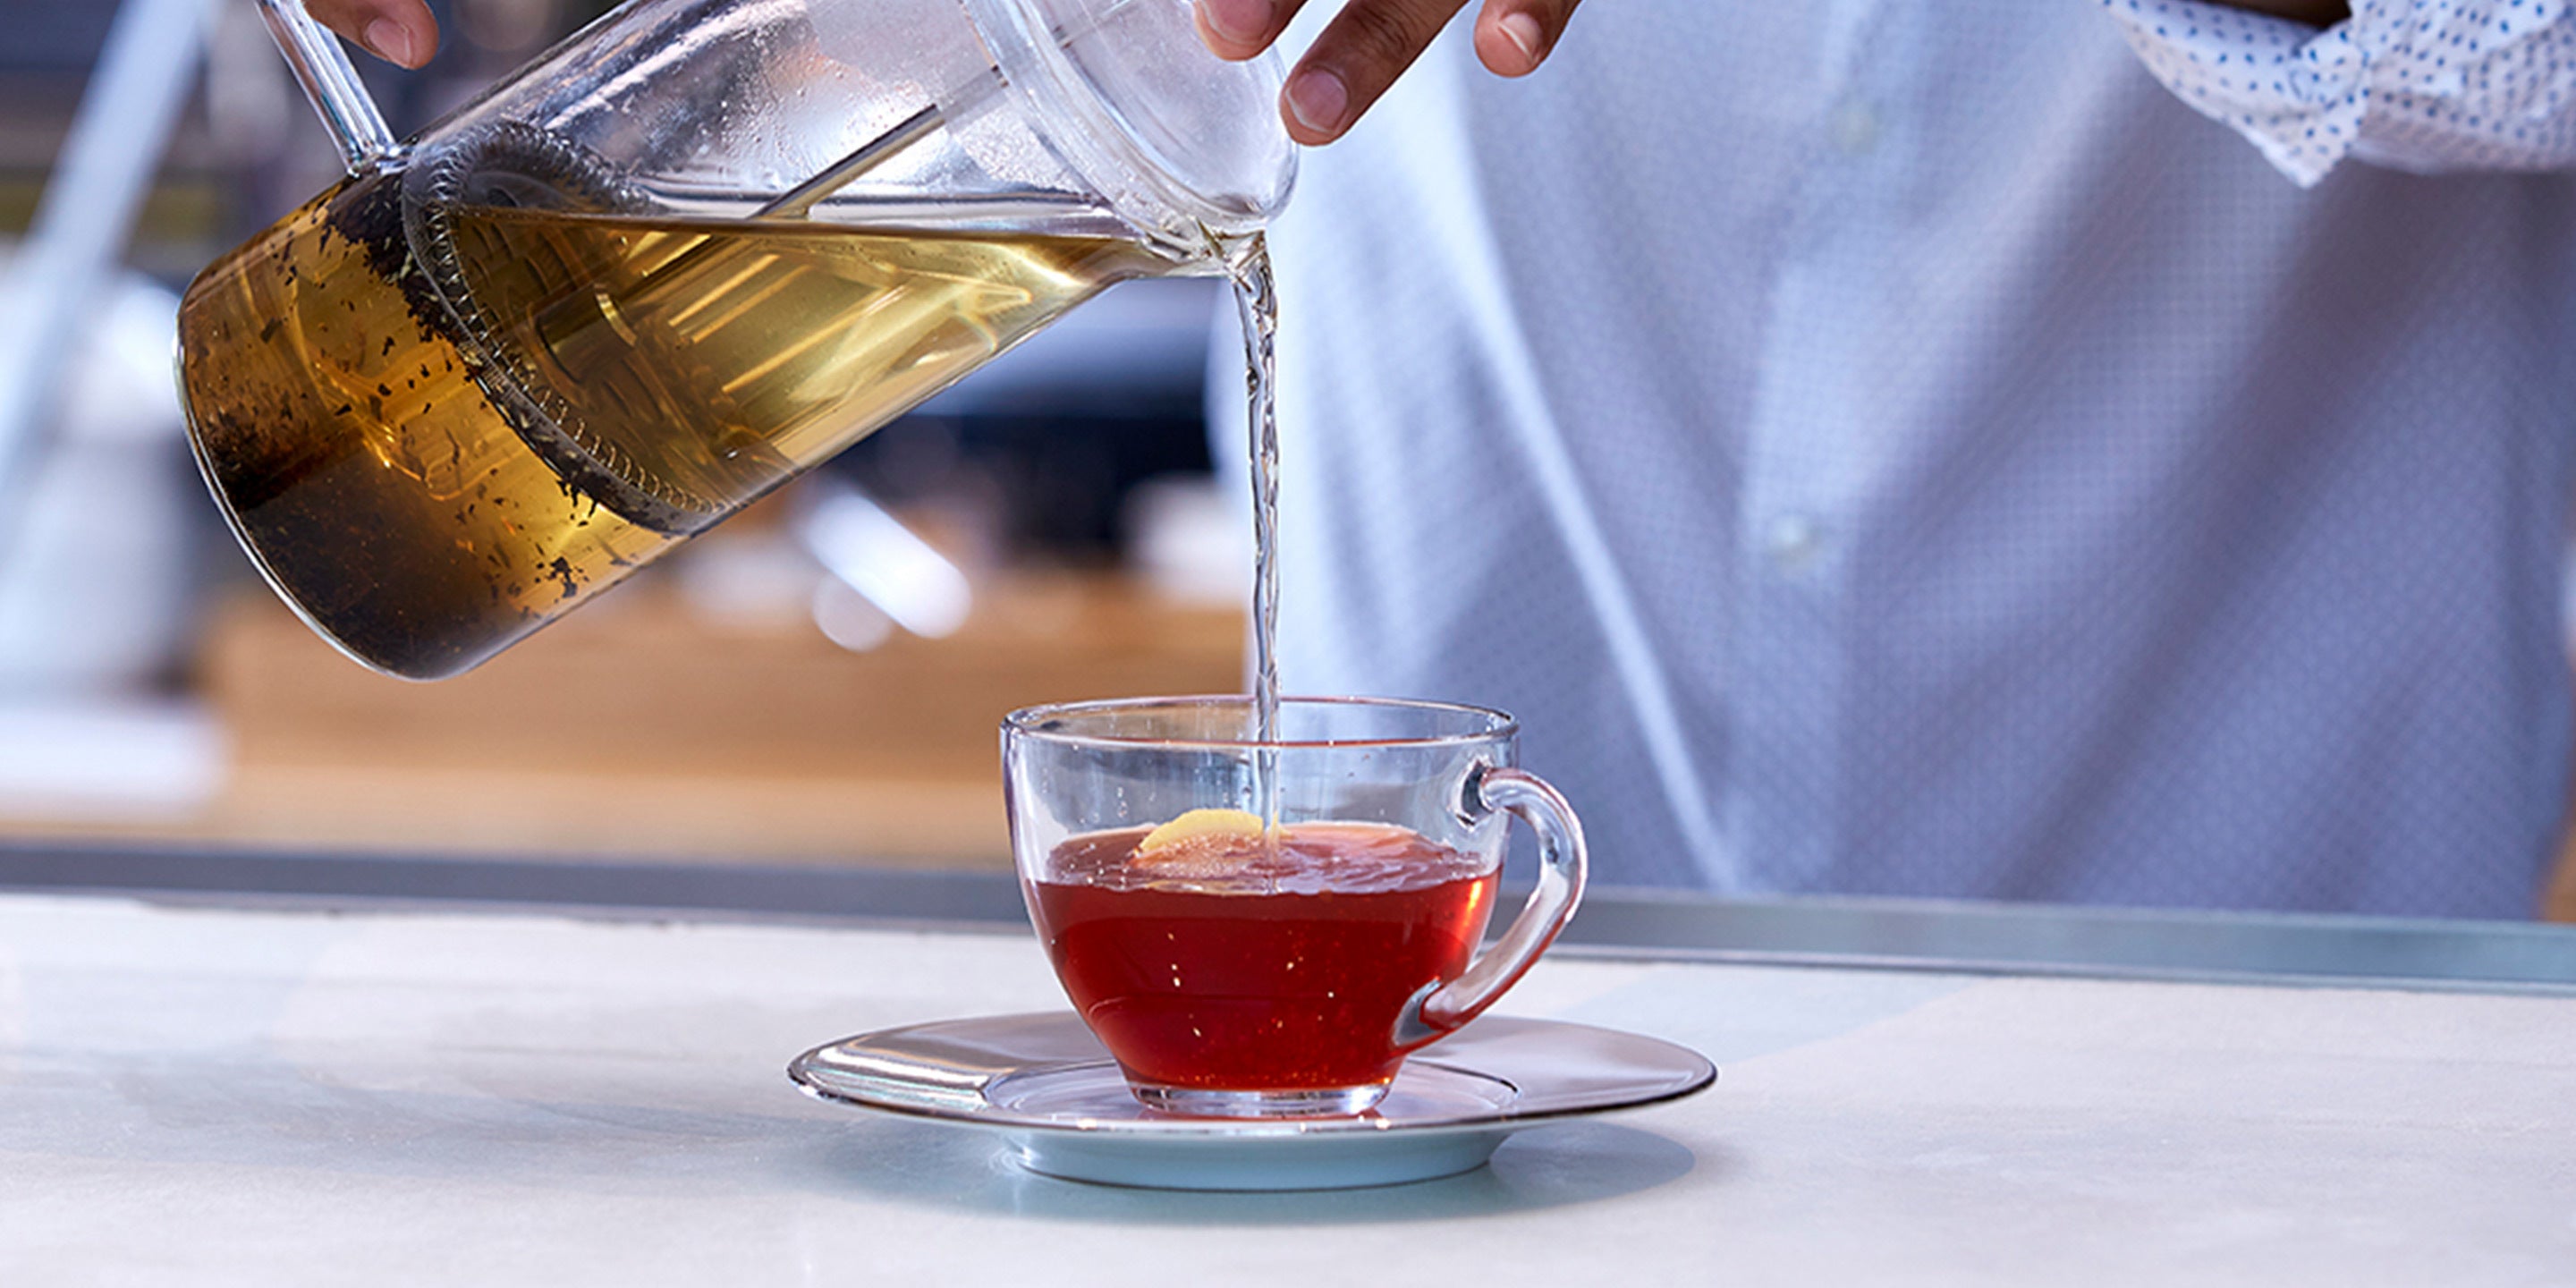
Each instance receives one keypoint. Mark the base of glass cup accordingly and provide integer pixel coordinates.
(1201, 1102)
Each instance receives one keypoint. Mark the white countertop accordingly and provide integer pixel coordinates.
(212, 1096)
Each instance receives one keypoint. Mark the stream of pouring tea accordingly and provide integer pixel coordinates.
(1248, 263)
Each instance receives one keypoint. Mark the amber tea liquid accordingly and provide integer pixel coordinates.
(432, 460)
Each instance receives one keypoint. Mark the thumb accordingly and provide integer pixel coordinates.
(398, 31)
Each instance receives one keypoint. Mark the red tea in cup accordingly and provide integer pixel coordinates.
(1234, 961)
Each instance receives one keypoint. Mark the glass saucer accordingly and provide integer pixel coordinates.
(1045, 1083)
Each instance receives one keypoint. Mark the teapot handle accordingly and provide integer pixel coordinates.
(328, 79)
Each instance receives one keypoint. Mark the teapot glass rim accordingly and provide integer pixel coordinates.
(1106, 149)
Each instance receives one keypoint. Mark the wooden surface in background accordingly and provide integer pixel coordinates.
(641, 682)
(638, 728)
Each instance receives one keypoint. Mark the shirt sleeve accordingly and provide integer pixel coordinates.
(2416, 84)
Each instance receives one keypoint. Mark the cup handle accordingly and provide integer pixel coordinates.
(1439, 1008)
(323, 69)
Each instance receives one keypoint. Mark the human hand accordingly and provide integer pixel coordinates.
(398, 31)
(1370, 43)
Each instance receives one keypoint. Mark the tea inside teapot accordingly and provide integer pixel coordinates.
(691, 251)
(444, 400)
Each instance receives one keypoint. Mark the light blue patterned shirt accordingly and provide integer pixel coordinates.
(1900, 448)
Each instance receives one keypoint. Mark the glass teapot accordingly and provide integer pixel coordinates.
(692, 251)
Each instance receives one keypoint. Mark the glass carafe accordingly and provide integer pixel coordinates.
(697, 248)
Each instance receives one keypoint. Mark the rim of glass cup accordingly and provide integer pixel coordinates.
(1024, 723)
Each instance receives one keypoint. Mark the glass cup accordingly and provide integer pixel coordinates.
(1239, 971)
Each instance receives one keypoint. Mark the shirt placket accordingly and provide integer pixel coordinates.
(1804, 472)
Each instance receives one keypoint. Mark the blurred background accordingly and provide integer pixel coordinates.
(738, 701)
(741, 701)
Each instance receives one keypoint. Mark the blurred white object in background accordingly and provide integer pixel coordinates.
(759, 582)
(103, 760)
(93, 569)
(1190, 537)
(95, 583)
(97, 587)
(884, 562)
(842, 564)
(849, 618)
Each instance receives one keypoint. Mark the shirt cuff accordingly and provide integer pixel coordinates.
(2421, 84)
(2295, 93)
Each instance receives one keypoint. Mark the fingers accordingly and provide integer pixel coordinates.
(1238, 29)
(398, 31)
(1514, 36)
(1370, 43)
(1366, 46)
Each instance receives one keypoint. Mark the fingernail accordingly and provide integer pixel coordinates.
(1319, 98)
(387, 38)
(1237, 20)
(1523, 30)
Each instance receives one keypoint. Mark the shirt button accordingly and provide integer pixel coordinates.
(1793, 541)
(1855, 128)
